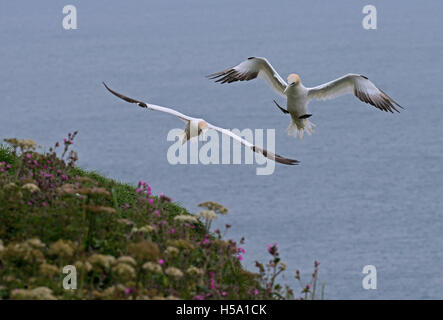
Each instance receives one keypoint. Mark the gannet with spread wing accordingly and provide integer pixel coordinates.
(195, 126)
(298, 96)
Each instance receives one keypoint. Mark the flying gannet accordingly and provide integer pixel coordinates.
(298, 96)
(196, 126)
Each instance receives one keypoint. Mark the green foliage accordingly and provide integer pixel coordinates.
(125, 242)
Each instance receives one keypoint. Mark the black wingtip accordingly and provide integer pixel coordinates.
(282, 109)
(125, 98)
(305, 116)
(275, 157)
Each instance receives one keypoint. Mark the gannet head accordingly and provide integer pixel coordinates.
(202, 125)
(196, 127)
(293, 79)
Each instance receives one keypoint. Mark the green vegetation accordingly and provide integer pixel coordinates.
(125, 242)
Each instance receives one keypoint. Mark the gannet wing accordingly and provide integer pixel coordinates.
(267, 154)
(186, 118)
(150, 106)
(250, 69)
(358, 85)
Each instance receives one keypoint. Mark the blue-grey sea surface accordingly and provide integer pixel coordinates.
(368, 190)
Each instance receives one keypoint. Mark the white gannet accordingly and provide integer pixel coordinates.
(298, 96)
(196, 126)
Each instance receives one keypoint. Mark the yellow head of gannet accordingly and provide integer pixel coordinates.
(293, 79)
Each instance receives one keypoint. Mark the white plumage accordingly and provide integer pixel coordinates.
(196, 126)
(298, 96)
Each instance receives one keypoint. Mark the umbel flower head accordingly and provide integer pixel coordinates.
(186, 218)
(174, 272)
(127, 260)
(31, 187)
(145, 229)
(124, 270)
(208, 215)
(101, 261)
(40, 293)
(214, 206)
(172, 251)
(23, 144)
(194, 271)
(145, 250)
(153, 267)
(62, 249)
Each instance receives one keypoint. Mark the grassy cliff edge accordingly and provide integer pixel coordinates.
(124, 241)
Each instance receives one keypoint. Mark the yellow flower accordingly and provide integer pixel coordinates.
(128, 260)
(208, 215)
(181, 244)
(186, 218)
(20, 252)
(174, 272)
(145, 229)
(102, 261)
(61, 249)
(124, 270)
(67, 188)
(10, 185)
(194, 271)
(153, 267)
(145, 250)
(172, 251)
(24, 144)
(86, 266)
(36, 243)
(212, 205)
(40, 293)
(48, 270)
(126, 222)
(31, 187)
